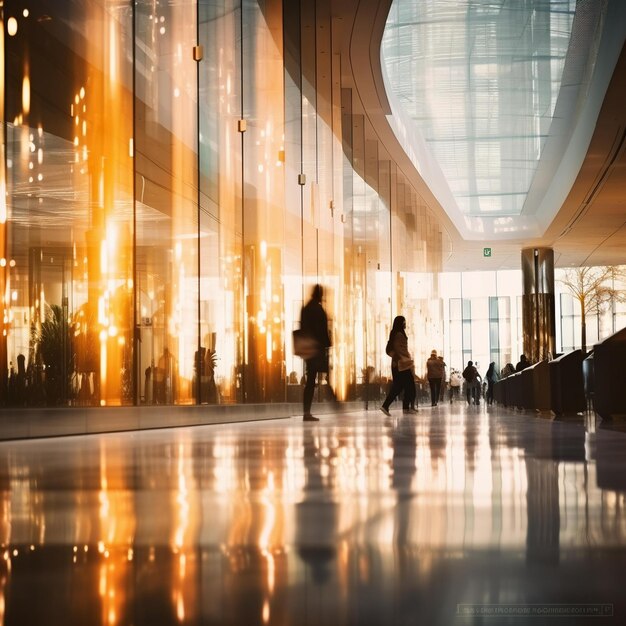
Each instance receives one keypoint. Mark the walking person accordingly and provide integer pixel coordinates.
(472, 383)
(492, 378)
(444, 380)
(402, 368)
(314, 324)
(435, 371)
(455, 384)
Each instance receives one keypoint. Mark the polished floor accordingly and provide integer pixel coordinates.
(456, 515)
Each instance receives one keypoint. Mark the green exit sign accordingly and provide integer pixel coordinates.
(486, 251)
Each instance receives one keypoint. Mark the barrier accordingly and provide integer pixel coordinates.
(588, 379)
(514, 390)
(536, 387)
(609, 365)
(499, 395)
(566, 383)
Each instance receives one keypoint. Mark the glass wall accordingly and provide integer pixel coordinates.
(67, 239)
(178, 176)
(483, 316)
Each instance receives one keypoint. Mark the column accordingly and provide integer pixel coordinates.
(538, 303)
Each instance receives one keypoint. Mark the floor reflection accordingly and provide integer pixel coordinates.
(352, 520)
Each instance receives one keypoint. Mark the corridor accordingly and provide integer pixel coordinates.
(457, 515)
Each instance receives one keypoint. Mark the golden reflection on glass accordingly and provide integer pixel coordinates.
(101, 160)
(4, 282)
(166, 180)
(264, 376)
(47, 341)
(232, 227)
(26, 92)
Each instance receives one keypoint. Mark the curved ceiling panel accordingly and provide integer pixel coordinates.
(496, 101)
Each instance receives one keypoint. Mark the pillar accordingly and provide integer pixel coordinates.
(538, 323)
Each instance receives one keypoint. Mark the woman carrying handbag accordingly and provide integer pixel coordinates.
(402, 368)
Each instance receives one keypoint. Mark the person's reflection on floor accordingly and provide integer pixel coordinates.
(471, 443)
(316, 517)
(403, 468)
(436, 442)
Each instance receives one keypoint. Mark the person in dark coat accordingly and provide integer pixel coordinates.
(402, 368)
(472, 383)
(314, 323)
(522, 364)
(435, 372)
(492, 378)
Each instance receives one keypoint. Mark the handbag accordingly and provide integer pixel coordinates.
(304, 345)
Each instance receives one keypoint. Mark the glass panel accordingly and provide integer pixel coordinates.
(494, 331)
(356, 213)
(481, 82)
(69, 205)
(456, 336)
(221, 284)
(166, 202)
(264, 198)
(505, 325)
(455, 309)
(293, 284)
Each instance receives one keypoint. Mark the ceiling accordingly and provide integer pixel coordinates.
(574, 201)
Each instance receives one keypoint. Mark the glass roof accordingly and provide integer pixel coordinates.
(481, 79)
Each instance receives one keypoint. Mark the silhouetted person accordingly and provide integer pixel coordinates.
(492, 378)
(148, 390)
(444, 384)
(21, 380)
(165, 379)
(472, 383)
(522, 364)
(507, 370)
(402, 367)
(435, 371)
(456, 380)
(314, 323)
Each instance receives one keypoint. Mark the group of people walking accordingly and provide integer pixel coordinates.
(314, 326)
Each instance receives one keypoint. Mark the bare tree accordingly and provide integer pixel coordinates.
(594, 288)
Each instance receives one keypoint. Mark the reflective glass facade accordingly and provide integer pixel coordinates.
(177, 177)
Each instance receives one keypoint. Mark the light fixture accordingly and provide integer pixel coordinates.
(11, 26)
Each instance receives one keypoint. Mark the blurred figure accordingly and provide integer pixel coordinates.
(402, 368)
(507, 370)
(472, 383)
(522, 364)
(148, 391)
(317, 516)
(456, 380)
(444, 380)
(314, 323)
(164, 384)
(20, 382)
(492, 378)
(435, 371)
